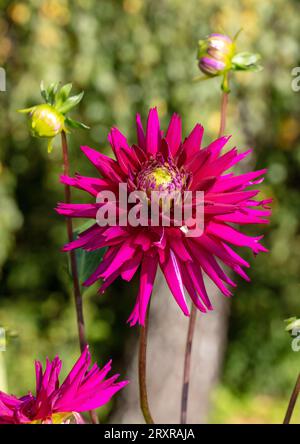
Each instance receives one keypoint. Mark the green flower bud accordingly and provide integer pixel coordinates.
(46, 121)
(50, 119)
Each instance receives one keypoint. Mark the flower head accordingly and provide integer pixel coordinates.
(49, 119)
(167, 163)
(53, 403)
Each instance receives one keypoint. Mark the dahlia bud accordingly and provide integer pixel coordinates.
(49, 119)
(46, 121)
(215, 54)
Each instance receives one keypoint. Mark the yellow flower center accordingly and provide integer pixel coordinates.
(160, 176)
(56, 418)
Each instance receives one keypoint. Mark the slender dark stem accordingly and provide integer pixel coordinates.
(193, 315)
(292, 403)
(224, 103)
(74, 270)
(187, 365)
(142, 373)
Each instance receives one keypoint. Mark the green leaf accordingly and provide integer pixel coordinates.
(75, 124)
(87, 261)
(70, 103)
(246, 61)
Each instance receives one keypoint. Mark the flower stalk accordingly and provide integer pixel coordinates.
(187, 365)
(73, 263)
(292, 402)
(193, 314)
(142, 373)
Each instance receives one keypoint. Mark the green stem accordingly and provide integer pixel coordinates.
(224, 103)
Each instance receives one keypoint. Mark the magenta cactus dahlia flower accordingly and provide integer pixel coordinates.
(53, 403)
(165, 162)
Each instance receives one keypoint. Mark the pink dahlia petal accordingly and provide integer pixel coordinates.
(211, 268)
(130, 267)
(197, 278)
(106, 166)
(140, 133)
(216, 146)
(192, 143)
(234, 237)
(173, 136)
(153, 134)
(124, 253)
(125, 156)
(173, 277)
(90, 184)
(237, 182)
(148, 273)
(191, 288)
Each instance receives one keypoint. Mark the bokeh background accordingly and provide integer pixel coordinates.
(129, 55)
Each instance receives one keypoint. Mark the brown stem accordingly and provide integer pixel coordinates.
(74, 270)
(292, 402)
(193, 315)
(187, 365)
(142, 373)
(224, 103)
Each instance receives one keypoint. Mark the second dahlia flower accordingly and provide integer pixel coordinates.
(166, 162)
(53, 403)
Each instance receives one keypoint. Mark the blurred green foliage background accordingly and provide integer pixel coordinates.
(129, 55)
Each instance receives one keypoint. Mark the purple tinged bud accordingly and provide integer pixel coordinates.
(211, 66)
(215, 54)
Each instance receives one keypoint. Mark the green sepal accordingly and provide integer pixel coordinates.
(201, 78)
(62, 95)
(44, 93)
(50, 92)
(75, 124)
(202, 48)
(26, 110)
(70, 103)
